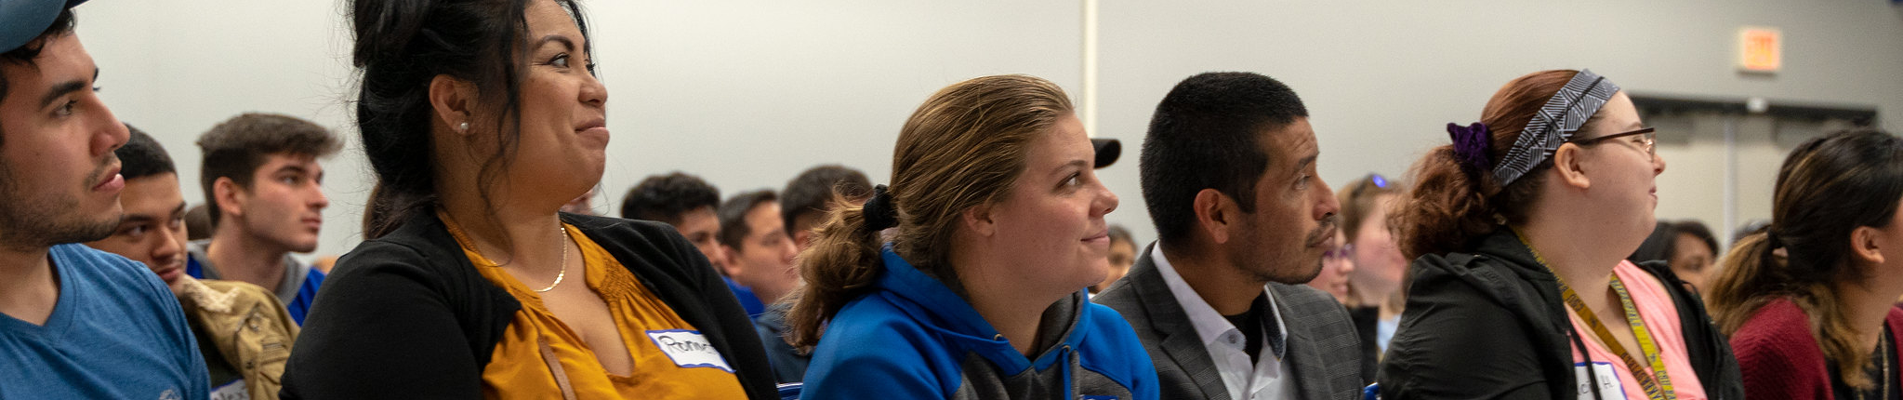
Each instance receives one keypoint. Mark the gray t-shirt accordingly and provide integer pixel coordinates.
(294, 272)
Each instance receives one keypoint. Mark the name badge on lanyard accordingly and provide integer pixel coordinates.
(1609, 386)
(689, 349)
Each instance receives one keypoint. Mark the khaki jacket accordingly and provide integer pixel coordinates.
(251, 327)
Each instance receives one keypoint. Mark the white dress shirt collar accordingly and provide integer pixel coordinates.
(1210, 325)
(1267, 376)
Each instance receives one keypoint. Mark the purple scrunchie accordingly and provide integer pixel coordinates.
(1471, 144)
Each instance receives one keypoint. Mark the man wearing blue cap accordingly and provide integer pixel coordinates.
(75, 323)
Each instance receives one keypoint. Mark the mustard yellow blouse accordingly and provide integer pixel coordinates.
(519, 369)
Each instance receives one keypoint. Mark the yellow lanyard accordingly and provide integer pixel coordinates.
(1659, 388)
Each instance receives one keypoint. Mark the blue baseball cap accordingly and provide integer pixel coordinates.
(23, 20)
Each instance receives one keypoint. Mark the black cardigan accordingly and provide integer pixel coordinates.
(1491, 325)
(406, 316)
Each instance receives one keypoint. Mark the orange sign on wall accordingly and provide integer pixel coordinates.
(1760, 49)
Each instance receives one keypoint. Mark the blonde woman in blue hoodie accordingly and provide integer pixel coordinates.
(977, 291)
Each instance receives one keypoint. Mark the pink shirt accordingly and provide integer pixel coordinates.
(1661, 320)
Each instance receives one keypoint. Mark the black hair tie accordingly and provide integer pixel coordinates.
(879, 212)
(1772, 243)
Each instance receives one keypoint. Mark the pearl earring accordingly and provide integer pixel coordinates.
(462, 127)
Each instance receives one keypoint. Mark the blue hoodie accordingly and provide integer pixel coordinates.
(913, 338)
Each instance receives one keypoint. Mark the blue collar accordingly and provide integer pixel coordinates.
(935, 305)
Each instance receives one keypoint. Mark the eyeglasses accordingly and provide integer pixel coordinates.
(1344, 251)
(1647, 144)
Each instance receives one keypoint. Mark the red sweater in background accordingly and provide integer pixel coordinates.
(1780, 358)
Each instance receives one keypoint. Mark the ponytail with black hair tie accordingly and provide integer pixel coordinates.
(1771, 244)
(879, 212)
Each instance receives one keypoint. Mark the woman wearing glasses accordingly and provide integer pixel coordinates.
(1520, 290)
(1336, 265)
(1820, 323)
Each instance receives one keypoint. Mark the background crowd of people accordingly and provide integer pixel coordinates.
(1520, 259)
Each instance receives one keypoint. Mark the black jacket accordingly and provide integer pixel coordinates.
(1491, 325)
(406, 316)
(1367, 326)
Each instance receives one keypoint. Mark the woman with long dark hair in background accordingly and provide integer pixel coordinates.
(482, 118)
(1818, 322)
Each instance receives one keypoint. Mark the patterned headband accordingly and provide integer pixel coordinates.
(1554, 124)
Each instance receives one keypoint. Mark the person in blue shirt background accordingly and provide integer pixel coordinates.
(809, 198)
(979, 291)
(265, 190)
(75, 323)
(759, 252)
(688, 203)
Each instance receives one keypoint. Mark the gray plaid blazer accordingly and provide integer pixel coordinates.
(1322, 345)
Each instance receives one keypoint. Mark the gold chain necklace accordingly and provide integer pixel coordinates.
(564, 273)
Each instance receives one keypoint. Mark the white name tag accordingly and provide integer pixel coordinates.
(688, 349)
(1609, 386)
(231, 391)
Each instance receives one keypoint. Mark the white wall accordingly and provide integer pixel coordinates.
(746, 93)
(1695, 181)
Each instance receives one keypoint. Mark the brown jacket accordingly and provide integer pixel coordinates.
(251, 328)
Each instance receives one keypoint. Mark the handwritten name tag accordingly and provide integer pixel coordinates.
(689, 349)
(1609, 386)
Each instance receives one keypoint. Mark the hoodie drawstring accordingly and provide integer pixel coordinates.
(1070, 361)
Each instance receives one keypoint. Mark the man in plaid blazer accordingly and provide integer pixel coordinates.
(1228, 173)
